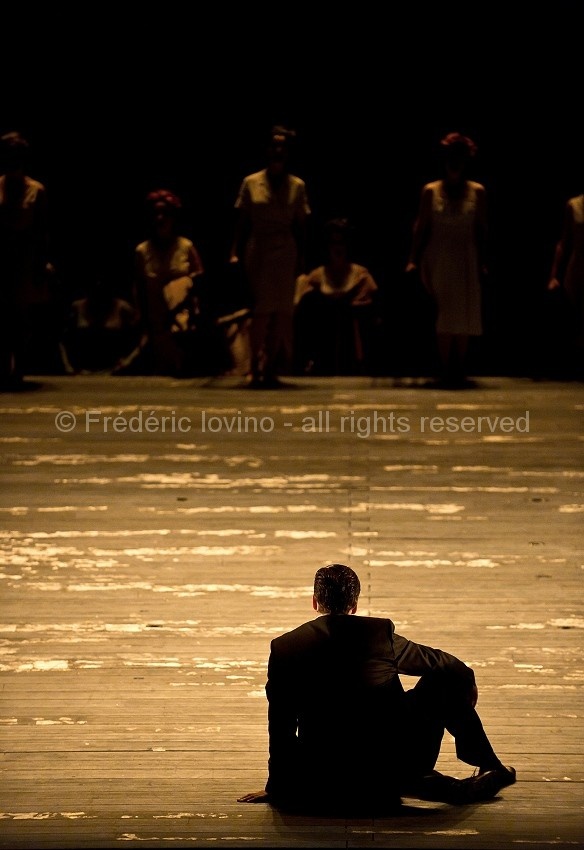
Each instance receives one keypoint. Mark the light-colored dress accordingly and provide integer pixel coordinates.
(450, 265)
(271, 251)
(164, 280)
(156, 268)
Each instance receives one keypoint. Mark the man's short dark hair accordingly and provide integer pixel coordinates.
(336, 588)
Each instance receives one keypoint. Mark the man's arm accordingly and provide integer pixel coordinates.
(300, 227)
(282, 726)
(416, 659)
(562, 251)
(420, 229)
(242, 224)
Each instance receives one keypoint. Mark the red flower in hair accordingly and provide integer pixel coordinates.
(458, 142)
(164, 198)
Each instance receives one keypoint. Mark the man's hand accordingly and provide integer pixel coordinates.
(254, 797)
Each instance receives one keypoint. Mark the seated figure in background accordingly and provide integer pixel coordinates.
(167, 265)
(100, 332)
(335, 310)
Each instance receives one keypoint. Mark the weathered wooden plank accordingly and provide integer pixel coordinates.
(143, 576)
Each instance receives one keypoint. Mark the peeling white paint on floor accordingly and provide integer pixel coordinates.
(365, 507)
(214, 481)
(44, 815)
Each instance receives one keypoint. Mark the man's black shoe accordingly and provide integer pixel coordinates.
(477, 789)
(507, 775)
(438, 787)
(435, 786)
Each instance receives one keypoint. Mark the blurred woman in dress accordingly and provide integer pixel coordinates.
(567, 278)
(25, 272)
(448, 248)
(272, 210)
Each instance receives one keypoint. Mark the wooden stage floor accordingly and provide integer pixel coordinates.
(149, 558)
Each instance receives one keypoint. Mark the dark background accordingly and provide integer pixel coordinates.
(119, 100)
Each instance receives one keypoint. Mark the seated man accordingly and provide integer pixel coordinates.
(344, 735)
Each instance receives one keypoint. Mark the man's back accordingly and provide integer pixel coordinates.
(334, 680)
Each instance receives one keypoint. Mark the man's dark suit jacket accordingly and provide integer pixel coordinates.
(336, 708)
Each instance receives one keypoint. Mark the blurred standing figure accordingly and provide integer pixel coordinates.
(448, 247)
(24, 268)
(271, 225)
(567, 273)
(166, 266)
